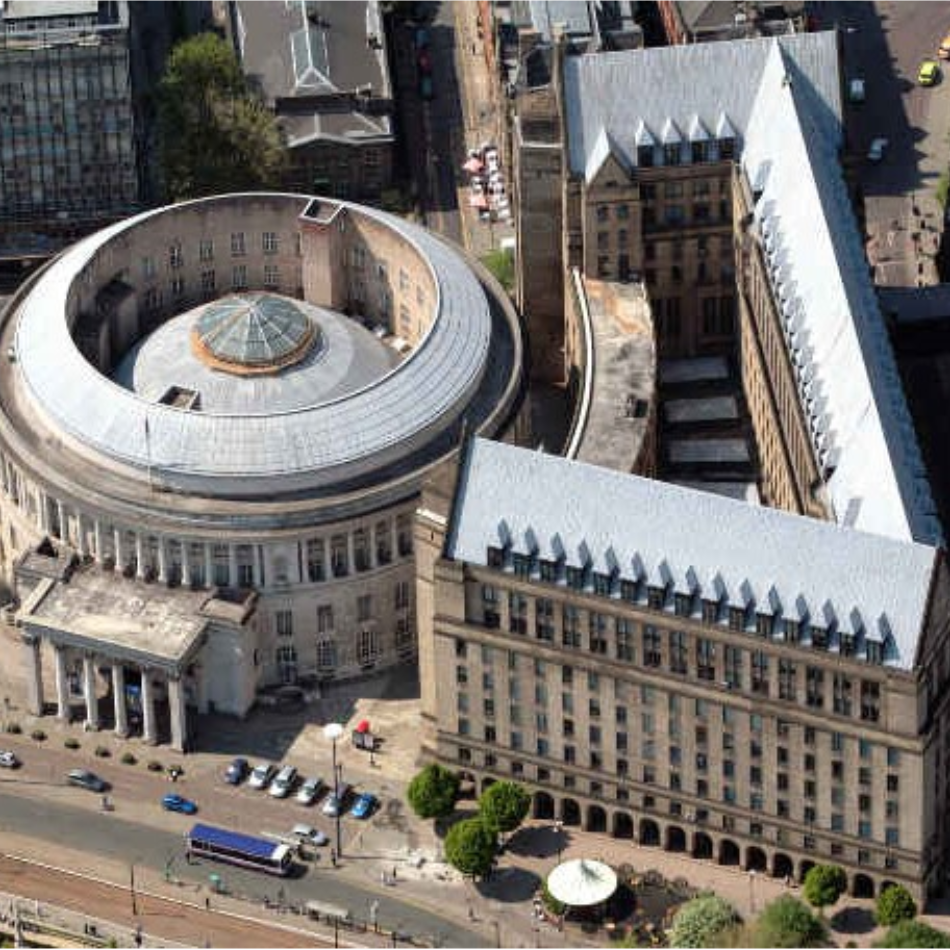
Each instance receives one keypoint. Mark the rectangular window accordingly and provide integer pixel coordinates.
(679, 660)
(339, 556)
(733, 663)
(285, 623)
(175, 259)
(651, 646)
(760, 672)
(207, 282)
(364, 607)
(325, 619)
(237, 244)
(239, 277)
(705, 659)
(269, 242)
(206, 250)
(271, 275)
(814, 687)
(787, 680)
(870, 701)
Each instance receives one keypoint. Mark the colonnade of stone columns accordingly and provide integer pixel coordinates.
(176, 694)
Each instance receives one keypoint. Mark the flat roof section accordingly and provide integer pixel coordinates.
(713, 409)
(708, 450)
(119, 617)
(691, 371)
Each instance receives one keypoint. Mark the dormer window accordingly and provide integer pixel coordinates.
(576, 577)
(496, 558)
(727, 149)
(549, 571)
(671, 153)
(700, 152)
(683, 604)
(628, 590)
(793, 631)
(521, 563)
(875, 652)
(710, 611)
(737, 618)
(603, 584)
(764, 624)
(645, 156)
(819, 638)
(656, 597)
(849, 644)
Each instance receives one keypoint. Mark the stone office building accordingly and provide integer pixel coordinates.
(687, 671)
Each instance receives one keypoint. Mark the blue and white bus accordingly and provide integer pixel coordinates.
(205, 841)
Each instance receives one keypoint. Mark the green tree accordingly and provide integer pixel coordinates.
(787, 922)
(894, 905)
(699, 921)
(504, 805)
(216, 135)
(824, 884)
(470, 847)
(432, 793)
(913, 933)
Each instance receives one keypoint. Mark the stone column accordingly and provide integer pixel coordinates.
(232, 566)
(119, 552)
(62, 684)
(350, 551)
(80, 535)
(162, 561)
(61, 516)
(139, 556)
(34, 675)
(98, 538)
(149, 730)
(185, 563)
(118, 696)
(209, 565)
(179, 714)
(92, 700)
(256, 563)
(394, 549)
(43, 511)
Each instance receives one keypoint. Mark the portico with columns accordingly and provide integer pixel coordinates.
(105, 639)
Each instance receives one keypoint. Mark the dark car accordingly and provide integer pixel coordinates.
(174, 802)
(236, 772)
(88, 780)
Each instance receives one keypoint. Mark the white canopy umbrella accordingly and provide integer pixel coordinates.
(582, 882)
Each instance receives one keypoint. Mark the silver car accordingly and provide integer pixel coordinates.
(283, 785)
(261, 776)
(310, 791)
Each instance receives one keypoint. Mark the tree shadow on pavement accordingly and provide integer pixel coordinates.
(538, 842)
(509, 885)
(853, 920)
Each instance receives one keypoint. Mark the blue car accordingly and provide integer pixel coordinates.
(236, 772)
(177, 803)
(363, 806)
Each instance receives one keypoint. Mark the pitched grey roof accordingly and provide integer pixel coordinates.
(661, 532)
(781, 98)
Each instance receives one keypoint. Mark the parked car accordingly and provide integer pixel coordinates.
(310, 835)
(336, 801)
(172, 802)
(283, 785)
(8, 760)
(83, 778)
(262, 776)
(929, 73)
(236, 772)
(943, 51)
(364, 805)
(309, 791)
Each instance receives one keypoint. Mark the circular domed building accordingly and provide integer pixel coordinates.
(216, 419)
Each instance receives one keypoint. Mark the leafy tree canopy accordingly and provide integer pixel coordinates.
(504, 805)
(894, 905)
(699, 921)
(216, 135)
(913, 933)
(824, 884)
(432, 793)
(787, 922)
(470, 847)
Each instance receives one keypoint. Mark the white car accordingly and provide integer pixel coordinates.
(8, 760)
(876, 150)
(309, 835)
(283, 785)
(261, 776)
(310, 791)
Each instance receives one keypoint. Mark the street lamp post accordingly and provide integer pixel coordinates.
(752, 890)
(333, 731)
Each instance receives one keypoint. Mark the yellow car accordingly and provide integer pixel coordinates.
(928, 73)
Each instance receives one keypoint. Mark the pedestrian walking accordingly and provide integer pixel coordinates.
(333, 856)
(207, 902)
(394, 874)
